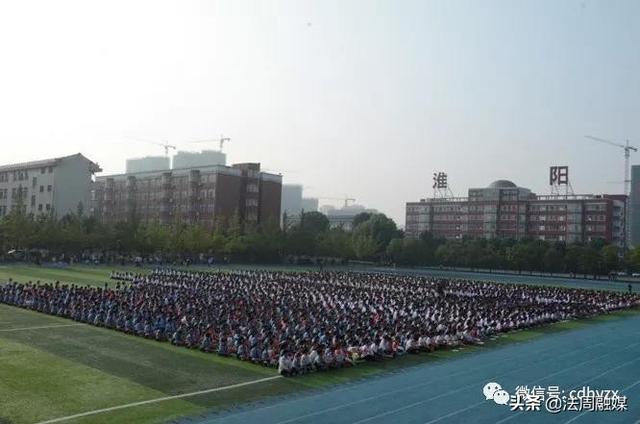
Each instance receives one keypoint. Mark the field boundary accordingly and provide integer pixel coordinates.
(39, 327)
(157, 400)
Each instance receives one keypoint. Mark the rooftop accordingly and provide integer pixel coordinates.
(502, 184)
(94, 167)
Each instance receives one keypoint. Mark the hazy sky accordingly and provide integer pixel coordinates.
(360, 98)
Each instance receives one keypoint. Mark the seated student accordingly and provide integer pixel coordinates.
(375, 352)
(176, 338)
(284, 365)
(188, 339)
(296, 367)
(147, 332)
(365, 352)
(158, 335)
(305, 364)
(264, 358)
(319, 363)
(313, 358)
(328, 358)
(241, 352)
(340, 357)
(396, 348)
(222, 347)
(254, 354)
(205, 344)
(411, 345)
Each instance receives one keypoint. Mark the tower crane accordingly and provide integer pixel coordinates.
(346, 200)
(221, 140)
(165, 145)
(627, 153)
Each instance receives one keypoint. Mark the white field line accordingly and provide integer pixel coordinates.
(631, 386)
(7, 330)
(162, 399)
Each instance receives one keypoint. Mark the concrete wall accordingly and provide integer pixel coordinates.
(72, 185)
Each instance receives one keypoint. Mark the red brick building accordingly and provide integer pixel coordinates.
(190, 195)
(504, 210)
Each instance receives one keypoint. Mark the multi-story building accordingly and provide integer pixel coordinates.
(148, 163)
(291, 200)
(634, 206)
(310, 204)
(184, 159)
(58, 185)
(190, 195)
(504, 210)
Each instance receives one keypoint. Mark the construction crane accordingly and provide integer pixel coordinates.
(346, 200)
(166, 145)
(627, 153)
(221, 140)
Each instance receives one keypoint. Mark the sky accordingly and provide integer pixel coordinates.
(357, 98)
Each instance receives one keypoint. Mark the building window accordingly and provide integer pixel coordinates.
(48, 207)
(48, 188)
(50, 169)
(33, 201)
(43, 170)
(40, 207)
(41, 189)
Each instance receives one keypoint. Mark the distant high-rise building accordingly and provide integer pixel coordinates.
(147, 164)
(291, 200)
(634, 206)
(57, 185)
(184, 159)
(310, 204)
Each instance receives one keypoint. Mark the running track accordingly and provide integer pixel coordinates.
(603, 356)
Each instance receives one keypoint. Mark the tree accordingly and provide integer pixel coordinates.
(314, 223)
(610, 258)
(360, 218)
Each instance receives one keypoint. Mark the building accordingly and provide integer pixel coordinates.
(504, 210)
(634, 206)
(190, 195)
(291, 200)
(184, 159)
(343, 217)
(58, 185)
(148, 163)
(310, 204)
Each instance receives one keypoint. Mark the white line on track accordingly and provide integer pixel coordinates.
(479, 382)
(385, 394)
(7, 330)
(384, 414)
(631, 386)
(162, 399)
(584, 382)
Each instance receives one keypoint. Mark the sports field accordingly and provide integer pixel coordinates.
(56, 370)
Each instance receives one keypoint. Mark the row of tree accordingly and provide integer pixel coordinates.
(373, 237)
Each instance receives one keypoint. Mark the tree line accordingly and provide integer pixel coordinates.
(373, 237)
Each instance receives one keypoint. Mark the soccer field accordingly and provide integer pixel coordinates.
(57, 370)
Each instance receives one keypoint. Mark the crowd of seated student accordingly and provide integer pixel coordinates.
(301, 322)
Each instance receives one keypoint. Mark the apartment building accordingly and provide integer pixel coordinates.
(189, 195)
(504, 210)
(57, 185)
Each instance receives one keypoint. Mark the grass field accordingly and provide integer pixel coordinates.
(53, 368)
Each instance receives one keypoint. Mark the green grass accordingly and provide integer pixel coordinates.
(55, 372)
(91, 275)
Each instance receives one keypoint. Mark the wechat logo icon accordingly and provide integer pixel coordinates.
(493, 391)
